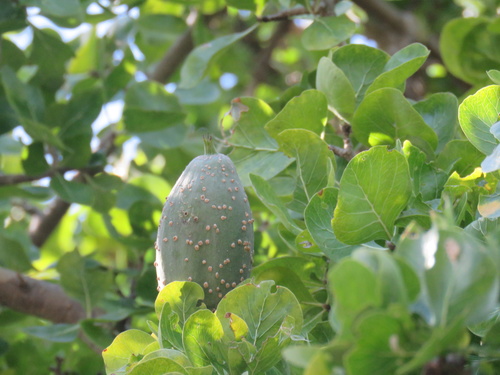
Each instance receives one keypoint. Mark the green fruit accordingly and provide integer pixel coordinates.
(206, 229)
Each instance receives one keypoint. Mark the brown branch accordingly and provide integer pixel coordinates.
(347, 152)
(39, 298)
(173, 57)
(284, 15)
(41, 227)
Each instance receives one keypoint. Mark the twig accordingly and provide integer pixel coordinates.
(347, 152)
(173, 57)
(284, 15)
(14, 179)
(42, 226)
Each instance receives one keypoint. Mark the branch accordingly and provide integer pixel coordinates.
(347, 152)
(173, 57)
(42, 226)
(284, 15)
(39, 298)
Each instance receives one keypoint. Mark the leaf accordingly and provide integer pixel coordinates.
(12, 17)
(355, 288)
(459, 155)
(66, 14)
(400, 66)
(183, 298)
(83, 279)
(157, 366)
(267, 195)
(361, 65)
(492, 162)
(439, 111)
(318, 217)
(198, 61)
(332, 81)
(149, 107)
(307, 111)
(374, 189)
(72, 191)
(55, 332)
(327, 32)
(315, 162)
(445, 259)
(202, 334)
(385, 116)
(466, 45)
(489, 206)
(477, 113)
(494, 76)
(35, 162)
(263, 310)
(127, 347)
(254, 150)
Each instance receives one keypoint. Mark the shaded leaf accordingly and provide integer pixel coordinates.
(327, 32)
(55, 332)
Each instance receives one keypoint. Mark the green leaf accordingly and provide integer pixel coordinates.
(339, 91)
(439, 111)
(50, 54)
(494, 76)
(72, 191)
(83, 279)
(267, 195)
(149, 107)
(262, 309)
(477, 113)
(202, 336)
(127, 347)
(182, 296)
(400, 66)
(89, 57)
(35, 162)
(315, 162)
(254, 150)
(55, 332)
(307, 111)
(459, 155)
(157, 366)
(327, 32)
(198, 61)
(466, 47)
(355, 288)
(386, 115)
(445, 259)
(66, 14)
(12, 17)
(374, 189)
(169, 329)
(372, 354)
(318, 217)
(14, 254)
(361, 65)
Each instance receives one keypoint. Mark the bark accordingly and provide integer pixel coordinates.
(39, 298)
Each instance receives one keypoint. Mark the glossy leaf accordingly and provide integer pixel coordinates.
(489, 206)
(199, 59)
(374, 189)
(477, 114)
(127, 347)
(202, 335)
(149, 107)
(327, 32)
(157, 366)
(492, 162)
(494, 76)
(334, 83)
(183, 298)
(385, 116)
